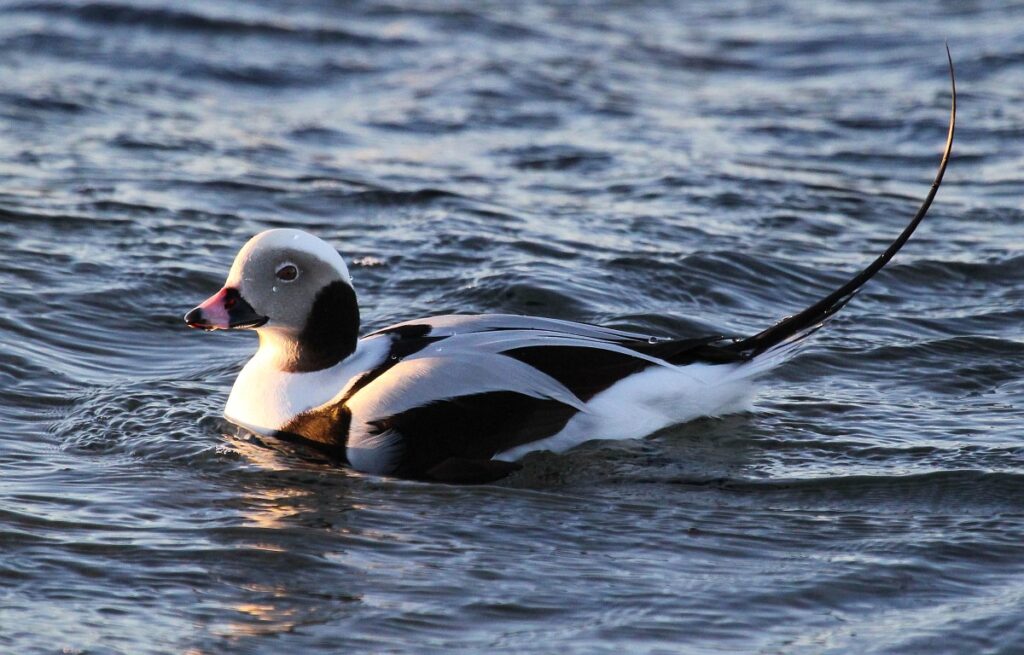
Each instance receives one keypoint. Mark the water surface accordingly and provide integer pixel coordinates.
(677, 167)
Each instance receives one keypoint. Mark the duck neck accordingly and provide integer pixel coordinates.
(329, 336)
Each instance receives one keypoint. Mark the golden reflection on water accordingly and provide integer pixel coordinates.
(269, 616)
(266, 619)
(268, 505)
(269, 508)
(267, 610)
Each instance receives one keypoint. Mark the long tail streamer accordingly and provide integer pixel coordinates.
(800, 325)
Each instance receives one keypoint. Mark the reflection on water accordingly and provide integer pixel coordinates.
(270, 508)
(262, 619)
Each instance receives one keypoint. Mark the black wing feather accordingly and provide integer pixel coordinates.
(473, 427)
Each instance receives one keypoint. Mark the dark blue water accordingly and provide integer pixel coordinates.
(679, 167)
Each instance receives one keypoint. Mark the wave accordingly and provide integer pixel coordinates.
(167, 19)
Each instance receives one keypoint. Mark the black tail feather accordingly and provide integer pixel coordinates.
(802, 324)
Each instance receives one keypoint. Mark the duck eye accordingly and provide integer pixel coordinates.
(287, 272)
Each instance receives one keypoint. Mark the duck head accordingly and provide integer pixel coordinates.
(295, 291)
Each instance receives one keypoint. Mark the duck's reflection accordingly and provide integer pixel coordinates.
(291, 522)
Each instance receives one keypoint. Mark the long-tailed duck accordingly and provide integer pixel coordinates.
(461, 398)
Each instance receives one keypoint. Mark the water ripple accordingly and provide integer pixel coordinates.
(679, 168)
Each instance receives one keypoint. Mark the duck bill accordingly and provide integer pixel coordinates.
(224, 310)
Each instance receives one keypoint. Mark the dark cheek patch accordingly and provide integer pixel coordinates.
(331, 331)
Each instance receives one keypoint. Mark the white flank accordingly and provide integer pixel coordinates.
(653, 399)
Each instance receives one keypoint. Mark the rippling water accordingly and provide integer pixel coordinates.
(681, 167)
